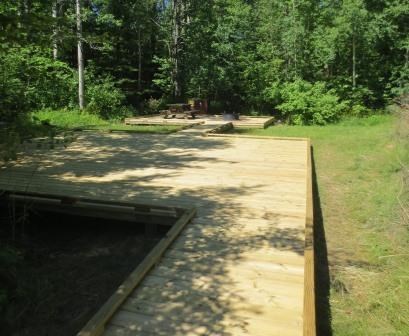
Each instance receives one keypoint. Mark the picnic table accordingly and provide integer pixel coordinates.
(180, 109)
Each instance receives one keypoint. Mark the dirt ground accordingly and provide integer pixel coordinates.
(69, 268)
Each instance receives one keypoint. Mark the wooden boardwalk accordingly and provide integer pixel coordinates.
(241, 267)
(243, 122)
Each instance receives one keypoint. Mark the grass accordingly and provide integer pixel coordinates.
(77, 120)
(359, 172)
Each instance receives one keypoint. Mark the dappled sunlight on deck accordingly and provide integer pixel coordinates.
(238, 267)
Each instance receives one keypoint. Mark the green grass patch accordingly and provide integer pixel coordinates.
(359, 171)
(81, 120)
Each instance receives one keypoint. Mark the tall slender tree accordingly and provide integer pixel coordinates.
(81, 87)
(54, 13)
(176, 44)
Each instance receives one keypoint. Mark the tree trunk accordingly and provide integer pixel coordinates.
(353, 61)
(139, 60)
(80, 57)
(294, 22)
(27, 6)
(55, 30)
(175, 48)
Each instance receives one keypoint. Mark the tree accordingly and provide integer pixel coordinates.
(352, 25)
(55, 29)
(240, 54)
(81, 94)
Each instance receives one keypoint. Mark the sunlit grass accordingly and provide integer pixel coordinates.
(78, 120)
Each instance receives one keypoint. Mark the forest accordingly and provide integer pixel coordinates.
(333, 71)
(304, 61)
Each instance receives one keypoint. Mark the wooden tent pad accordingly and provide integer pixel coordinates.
(240, 267)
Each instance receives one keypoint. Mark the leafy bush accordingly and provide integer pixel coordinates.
(31, 80)
(50, 83)
(104, 98)
(359, 110)
(12, 87)
(152, 105)
(399, 83)
(305, 103)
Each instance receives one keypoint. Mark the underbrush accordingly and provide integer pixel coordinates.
(12, 135)
(362, 171)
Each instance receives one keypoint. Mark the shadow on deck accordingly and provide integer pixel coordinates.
(194, 297)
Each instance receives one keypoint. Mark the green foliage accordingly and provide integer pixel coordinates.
(306, 104)
(152, 105)
(31, 80)
(360, 111)
(50, 83)
(162, 77)
(12, 86)
(236, 52)
(105, 99)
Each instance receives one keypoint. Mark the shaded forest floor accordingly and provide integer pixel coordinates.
(66, 270)
(361, 230)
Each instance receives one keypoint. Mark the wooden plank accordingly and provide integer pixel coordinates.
(283, 178)
(162, 121)
(233, 274)
(206, 285)
(130, 212)
(295, 247)
(199, 324)
(209, 307)
(209, 310)
(96, 325)
(282, 257)
(309, 287)
(185, 293)
(260, 208)
(268, 122)
(112, 204)
(251, 267)
(255, 137)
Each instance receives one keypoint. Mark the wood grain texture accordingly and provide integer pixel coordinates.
(97, 324)
(243, 264)
(309, 288)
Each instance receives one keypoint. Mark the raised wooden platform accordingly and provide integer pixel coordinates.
(243, 122)
(243, 266)
(160, 120)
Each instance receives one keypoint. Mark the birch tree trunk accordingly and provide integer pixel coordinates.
(139, 60)
(175, 55)
(353, 61)
(80, 57)
(55, 30)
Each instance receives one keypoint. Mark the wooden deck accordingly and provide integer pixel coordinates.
(216, 120)
(243, 266)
